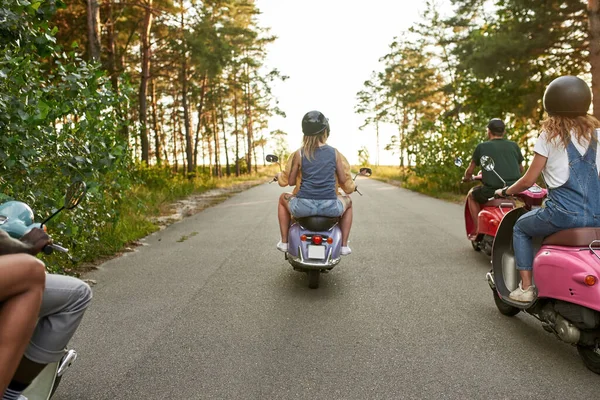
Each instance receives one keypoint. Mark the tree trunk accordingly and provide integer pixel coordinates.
(93, 25)
(144, 80)
(217, 172)
(237, 135)
(228, 168)
(377, 135)
(189, 148)
(157, 148)
(249, 127)
(112, 56)
(198, 137)
(594, 38)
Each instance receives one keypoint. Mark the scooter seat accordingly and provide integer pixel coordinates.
(500, 202)
(317, 223)
(577, 237)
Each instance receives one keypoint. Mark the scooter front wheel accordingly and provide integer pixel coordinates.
(505, 309)
(590, 356)
(313, 278)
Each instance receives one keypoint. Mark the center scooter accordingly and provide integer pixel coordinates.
(566, 270)
(314, 243)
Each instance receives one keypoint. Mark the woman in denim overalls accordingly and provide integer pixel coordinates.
(567, 154)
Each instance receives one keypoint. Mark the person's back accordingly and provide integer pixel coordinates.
(318, 174)
(507, 159)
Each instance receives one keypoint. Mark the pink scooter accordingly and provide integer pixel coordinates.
(566, 272)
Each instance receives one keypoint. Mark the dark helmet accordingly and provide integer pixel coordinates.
(568, 96)
(314, 123)
(496, 126)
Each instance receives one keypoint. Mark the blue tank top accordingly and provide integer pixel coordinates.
(318, 175)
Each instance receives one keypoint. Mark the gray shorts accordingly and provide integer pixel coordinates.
(63, 305)
(300, 207)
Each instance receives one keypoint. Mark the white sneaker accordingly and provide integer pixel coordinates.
(345, 250)
(282, 246)
(523, 296)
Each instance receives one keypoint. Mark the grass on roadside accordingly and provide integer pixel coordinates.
(407, 179)
(151, 198)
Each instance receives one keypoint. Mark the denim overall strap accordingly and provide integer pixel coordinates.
(580, 195)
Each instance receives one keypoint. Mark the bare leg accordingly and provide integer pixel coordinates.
(474, 208)
(22, 279)
(346, 219)
(283, 213)
(526, 278)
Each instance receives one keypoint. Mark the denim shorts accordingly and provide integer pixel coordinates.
(300, 207)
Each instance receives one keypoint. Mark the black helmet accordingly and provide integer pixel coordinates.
(568, 96)
(496, 126)
(314, 123)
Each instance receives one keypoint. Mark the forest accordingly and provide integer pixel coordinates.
(148, 101)
(450, 73)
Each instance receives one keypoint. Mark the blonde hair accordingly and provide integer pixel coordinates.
(558, 129)
(311, 143)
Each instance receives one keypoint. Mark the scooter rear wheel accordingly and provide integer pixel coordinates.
(505, 309)
(591, 357)
(475, 245)
(313, 278)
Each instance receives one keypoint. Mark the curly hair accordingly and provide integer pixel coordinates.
(558, 129)
(310, 143)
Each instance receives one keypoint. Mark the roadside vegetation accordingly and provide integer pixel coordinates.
(466, 62)
(145, 101)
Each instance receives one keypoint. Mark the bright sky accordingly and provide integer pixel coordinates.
(329, 48)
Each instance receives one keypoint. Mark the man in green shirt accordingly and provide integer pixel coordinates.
(508, 164)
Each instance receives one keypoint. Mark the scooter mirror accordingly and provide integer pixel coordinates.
(365, 171)
(271, 158)
(75, 194)
(458, 162)
(487, 163)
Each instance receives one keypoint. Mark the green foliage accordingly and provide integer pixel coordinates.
(448, 76)
(363, 157)
(58, 124)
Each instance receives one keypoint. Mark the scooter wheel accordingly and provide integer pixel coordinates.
(505, 309)
(475, 245)
(590, 356)
(313, 278)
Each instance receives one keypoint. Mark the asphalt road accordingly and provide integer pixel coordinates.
(209, 309)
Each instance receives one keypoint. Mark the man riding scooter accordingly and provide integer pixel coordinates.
(508, 158)
(64, 302)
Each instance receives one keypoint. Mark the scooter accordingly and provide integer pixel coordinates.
(489, 217)
(314, 243)
(566, 269)
(16, 218)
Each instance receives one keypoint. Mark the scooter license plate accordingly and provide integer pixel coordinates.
(316, 252)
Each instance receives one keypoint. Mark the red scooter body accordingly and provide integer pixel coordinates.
(490, 216)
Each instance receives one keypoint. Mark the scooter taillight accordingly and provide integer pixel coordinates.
(316, 239)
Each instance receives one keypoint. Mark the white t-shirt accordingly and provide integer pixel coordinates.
(556, 171)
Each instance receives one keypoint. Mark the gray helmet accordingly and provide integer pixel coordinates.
(314, 123)
(568, 96)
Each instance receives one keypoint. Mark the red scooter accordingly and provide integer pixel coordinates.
(489, 218)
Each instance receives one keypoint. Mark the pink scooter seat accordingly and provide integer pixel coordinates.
(578, 237)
